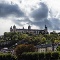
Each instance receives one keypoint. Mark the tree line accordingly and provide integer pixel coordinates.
(30, 38)
(15, 37)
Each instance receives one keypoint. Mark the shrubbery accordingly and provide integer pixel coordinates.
(32, 56)
(48, 56)
(40, 56)
(7, 57)
(24, 48)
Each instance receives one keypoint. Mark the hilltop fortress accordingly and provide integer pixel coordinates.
(29, 30)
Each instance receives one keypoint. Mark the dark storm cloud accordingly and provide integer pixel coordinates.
(10, 9)
(40, 13)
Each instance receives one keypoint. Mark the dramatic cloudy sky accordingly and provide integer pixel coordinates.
(36, 13)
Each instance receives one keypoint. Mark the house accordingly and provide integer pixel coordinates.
(45, 48)
(41, 48)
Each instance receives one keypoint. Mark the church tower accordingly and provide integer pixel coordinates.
(29, 27)
(14, 28)
(11, 29)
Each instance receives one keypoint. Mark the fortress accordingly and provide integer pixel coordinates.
(29, 30)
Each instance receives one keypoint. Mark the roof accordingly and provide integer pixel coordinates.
(45, 45)
(31, 29)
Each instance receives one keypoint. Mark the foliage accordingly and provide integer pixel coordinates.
(16, 37)
(40, 56)
(55, 55)
(24, 48)
(48, 56)
(58, 48)
(7, 57)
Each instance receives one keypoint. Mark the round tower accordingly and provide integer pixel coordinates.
(29, 27)
(11, 29)
(23, 27)
(14, 28)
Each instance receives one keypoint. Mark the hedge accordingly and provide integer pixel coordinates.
(7, 57)
(40, 56)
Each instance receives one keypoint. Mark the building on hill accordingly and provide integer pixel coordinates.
(46, 48)
(29, 30)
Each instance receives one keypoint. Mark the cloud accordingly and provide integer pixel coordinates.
(22, 22)
(10, 9)
(52, 23)
(41, 19)
(40, 13)
(40, 16)
(41, 24)
(55, 22)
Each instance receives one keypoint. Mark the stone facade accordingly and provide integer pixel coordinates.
(29, 30)
(46, 48)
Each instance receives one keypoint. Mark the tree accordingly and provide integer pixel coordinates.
(41, 56)
(43, 40)
(58, 48)
(55, 55)
(15, 37)
(56, 41)
(22, 36)
(48, 55)
(24, 48)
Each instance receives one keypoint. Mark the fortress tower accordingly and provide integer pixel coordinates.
(29, 27)
(11, 29)
(46, 29)
(14, 28)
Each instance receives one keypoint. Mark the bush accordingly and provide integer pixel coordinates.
(7, 57)
(48, 56)
(30, 56)
(24, 48)
(55, 55)
(39, 56)
(35, 56)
